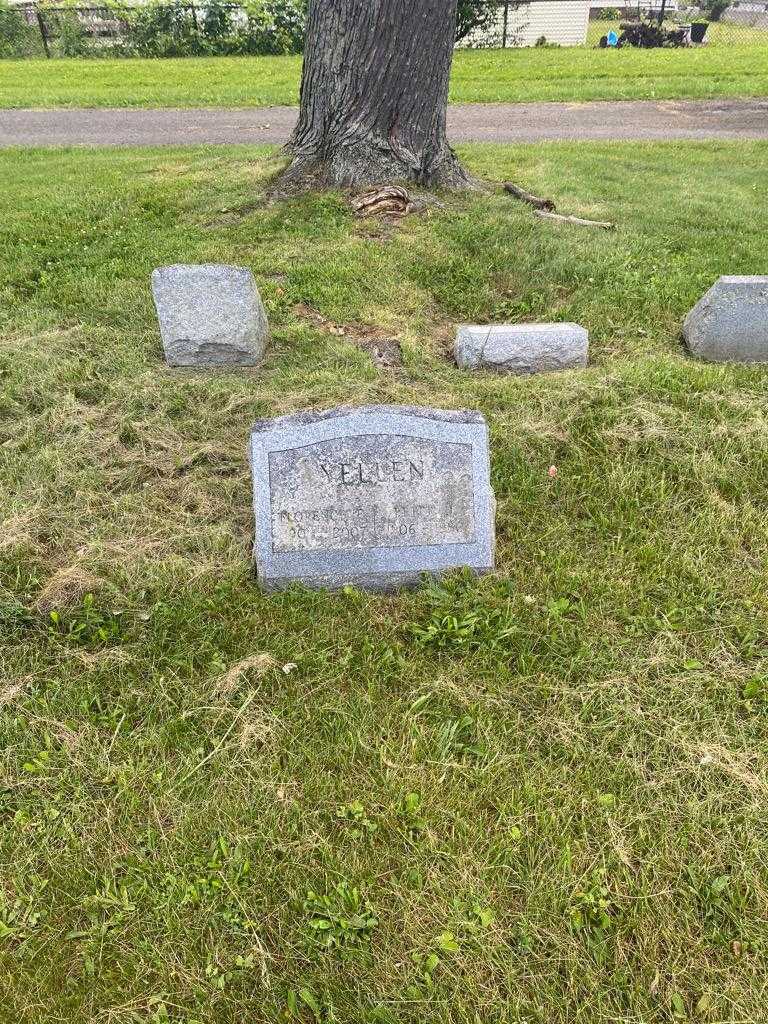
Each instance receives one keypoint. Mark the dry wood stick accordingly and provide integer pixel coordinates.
(528, 197)
(546, 208)
(606, 224)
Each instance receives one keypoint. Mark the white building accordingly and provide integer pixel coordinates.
(631, 7)
(563, 22)
(753, 13)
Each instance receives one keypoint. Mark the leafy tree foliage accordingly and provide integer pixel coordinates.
(473, 14)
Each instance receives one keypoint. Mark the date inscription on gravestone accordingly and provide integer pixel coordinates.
(373, 496)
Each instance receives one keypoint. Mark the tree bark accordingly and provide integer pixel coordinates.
(374, 95)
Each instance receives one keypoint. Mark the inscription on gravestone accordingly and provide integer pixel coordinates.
(371, 491)
(373, 496)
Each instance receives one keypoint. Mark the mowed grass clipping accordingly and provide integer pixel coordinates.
(480, 76)
(538, 796)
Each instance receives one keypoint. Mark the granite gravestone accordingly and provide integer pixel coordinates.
(730, 322)
(372, 497)
(522, 348)
(210, 315)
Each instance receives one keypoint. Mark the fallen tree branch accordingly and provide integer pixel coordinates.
(546, 208)
(529, 197)
(606, 224)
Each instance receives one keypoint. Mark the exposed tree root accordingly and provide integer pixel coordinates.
(367, 164)
(391, 201)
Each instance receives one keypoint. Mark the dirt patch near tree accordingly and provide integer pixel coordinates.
(384, 350)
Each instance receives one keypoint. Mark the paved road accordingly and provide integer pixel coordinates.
(492, 122)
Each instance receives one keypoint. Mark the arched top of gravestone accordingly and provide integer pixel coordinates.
(322, 415)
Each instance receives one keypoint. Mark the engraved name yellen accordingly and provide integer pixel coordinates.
(352, 474)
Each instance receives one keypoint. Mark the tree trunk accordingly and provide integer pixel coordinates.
(374, 95)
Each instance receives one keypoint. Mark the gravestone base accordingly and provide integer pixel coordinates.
(373, 497)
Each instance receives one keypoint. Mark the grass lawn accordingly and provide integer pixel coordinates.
(480, 76)
(537, 796)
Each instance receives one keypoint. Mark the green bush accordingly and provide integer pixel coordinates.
(165, 30)
(162, 30)
(17, 37)
(71, 36)
(471, 15)
(217, 21)
(175, 30)
(714, 9)
(274, 27)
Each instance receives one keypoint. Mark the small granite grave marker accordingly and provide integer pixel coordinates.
(521, 348)
(730, 322)
(210, 315)
(372, 496)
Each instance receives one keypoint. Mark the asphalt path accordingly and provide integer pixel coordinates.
(632, 120)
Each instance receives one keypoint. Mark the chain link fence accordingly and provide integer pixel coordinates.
(498, 24)
(182, 29)
(218, 27)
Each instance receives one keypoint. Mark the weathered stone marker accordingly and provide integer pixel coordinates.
(522, 348)
(210, 315)
(373, 496)
(730, 322)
